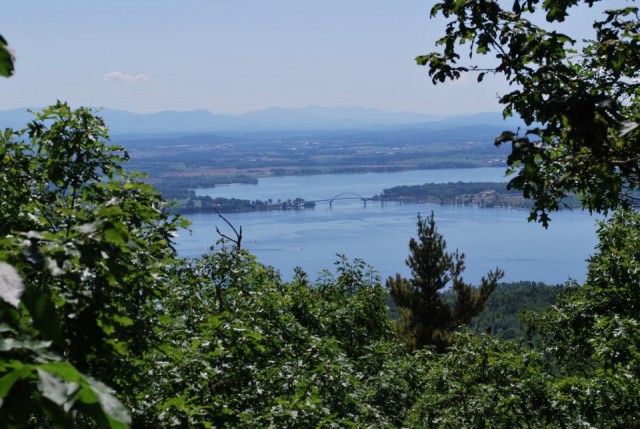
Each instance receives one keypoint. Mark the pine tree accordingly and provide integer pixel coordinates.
(425, 319)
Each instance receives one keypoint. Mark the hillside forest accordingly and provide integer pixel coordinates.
(102, 324)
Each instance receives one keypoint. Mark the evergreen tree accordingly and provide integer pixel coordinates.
(425, 319)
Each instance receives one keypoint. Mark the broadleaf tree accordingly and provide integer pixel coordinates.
(593, 331)
(242, 348)
(92, 243)
(579, 99)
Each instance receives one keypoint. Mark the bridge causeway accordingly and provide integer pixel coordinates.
(356, 196)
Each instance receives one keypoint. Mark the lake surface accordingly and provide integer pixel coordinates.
(380, 234)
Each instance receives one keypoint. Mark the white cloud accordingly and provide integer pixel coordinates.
(462, 80)
(118, 76)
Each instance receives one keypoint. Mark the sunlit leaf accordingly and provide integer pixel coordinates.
(11, 286)
(57, 390)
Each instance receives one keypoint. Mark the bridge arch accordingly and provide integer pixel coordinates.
(347, 196)
(344, 196)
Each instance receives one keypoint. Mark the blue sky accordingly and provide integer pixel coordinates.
(230, 56)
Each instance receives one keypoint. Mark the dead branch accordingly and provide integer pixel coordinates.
(238, 240)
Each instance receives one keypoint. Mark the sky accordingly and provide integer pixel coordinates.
(231, 56)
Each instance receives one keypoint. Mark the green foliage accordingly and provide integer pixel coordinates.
(241, 348)
(581, 109)
(483, 382)
(34, 377)
(95, 240)
(91, 242)
(596, 325)
(92, 289)
(501, 315)
(6, 58)
(593, 331)
(425, 319)
(580, 105)
(487, 382)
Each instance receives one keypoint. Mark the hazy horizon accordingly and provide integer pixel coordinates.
(498, 109)
(235, 57)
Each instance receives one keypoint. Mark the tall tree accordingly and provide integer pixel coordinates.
(580, 102)
(425, 319)
(91, 240)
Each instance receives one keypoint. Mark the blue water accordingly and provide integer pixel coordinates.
(379, 234)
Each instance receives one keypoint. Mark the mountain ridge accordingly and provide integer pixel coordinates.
(318, 118)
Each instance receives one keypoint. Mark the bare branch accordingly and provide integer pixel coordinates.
(238, 240)
(626, 161)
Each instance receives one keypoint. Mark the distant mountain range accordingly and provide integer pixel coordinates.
(311, 118)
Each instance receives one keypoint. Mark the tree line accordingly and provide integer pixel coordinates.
(207, 204)
(482, 194)
(182, 188)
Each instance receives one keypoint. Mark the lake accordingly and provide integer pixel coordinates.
(379, 234)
